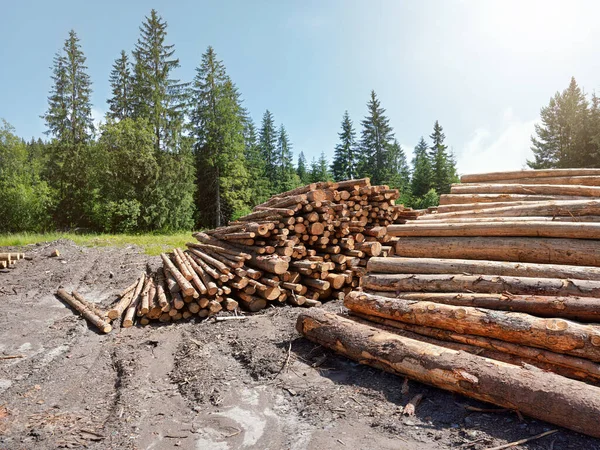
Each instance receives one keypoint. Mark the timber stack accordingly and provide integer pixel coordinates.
(300, 247)
(494, 295)
(8, 260)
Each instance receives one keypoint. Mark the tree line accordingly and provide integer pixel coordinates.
(175, 155)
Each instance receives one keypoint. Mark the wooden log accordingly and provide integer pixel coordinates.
(117, 310)
(430, 218)
(578, 252)
(552, 208)
(534, 174)
(585, 309)
(184, 284)
(399, 264)
(220, 266)
(557, 335)
(481, 284)
(590, 180)
(251, 302)
(567, 230)
(526, 189)
(577, 368)
(461, 199)
(90, 305)
(575, 405)
(179, 261)
(87, 313)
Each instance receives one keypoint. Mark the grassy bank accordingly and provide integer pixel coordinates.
(153, 244)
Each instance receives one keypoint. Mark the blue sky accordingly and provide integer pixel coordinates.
(482, 68)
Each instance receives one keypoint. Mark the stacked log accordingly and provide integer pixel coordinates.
(301, 247)
(502, 277)
(8, 260)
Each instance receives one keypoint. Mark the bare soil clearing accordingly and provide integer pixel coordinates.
(229, 385)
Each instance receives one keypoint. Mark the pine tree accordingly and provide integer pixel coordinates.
(319, 170)
(156, 96)
(69, 121)
(267, 141)
(120, 104)
(302, 170)
(563, 138)
(421, 181)
(443, 167)
(376, 138)
(255, 164)
(286, 175)
(217, 121)
(344, 165)
(69, 115)
(398, 172)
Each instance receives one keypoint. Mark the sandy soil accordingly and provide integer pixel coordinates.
(252, 384)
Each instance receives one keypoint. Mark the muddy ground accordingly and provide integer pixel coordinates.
(251, 384)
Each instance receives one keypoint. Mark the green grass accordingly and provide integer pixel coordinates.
(153, 244)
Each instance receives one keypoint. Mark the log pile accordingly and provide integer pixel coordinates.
(300, 247)
(8, 260)
(492, 293)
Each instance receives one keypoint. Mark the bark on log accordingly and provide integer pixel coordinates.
(552, 208)
(460, 199)
(488, 284)
(541, 175)
(526, 189)
(575, 405)
(117, 310)
(585, 309)
(578, 252)
(557, 335)
(87, 313)
(577, 368)
(398, 264)
(184, 284)
(429, 218)
(567, 230)
(591, 180)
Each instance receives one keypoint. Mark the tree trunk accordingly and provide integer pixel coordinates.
(566, 230)
(578, 252)
(577, 368)
(557, 335)
(399, 264)
(551, 208)
(526, 189)
(586, 309)
(87, 313)
(540, 175)
(575, 405)
(460, 199)
(489, 284)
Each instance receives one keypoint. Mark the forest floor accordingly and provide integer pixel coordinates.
(252, 384)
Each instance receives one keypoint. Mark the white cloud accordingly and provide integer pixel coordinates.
(505, 148)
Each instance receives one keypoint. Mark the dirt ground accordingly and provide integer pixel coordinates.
(252, 384)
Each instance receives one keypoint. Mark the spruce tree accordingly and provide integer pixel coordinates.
(320, 169)
(443, 166)
(156, 95)
(376, 138)
(255, 164)
(69, 114)
(344, 165)
(302, 170)
(69, 121)
(562, 139)
(286, 175)
(398, 172)
(267, 141)
(217, 120)
(120, 104)
(421, 181)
